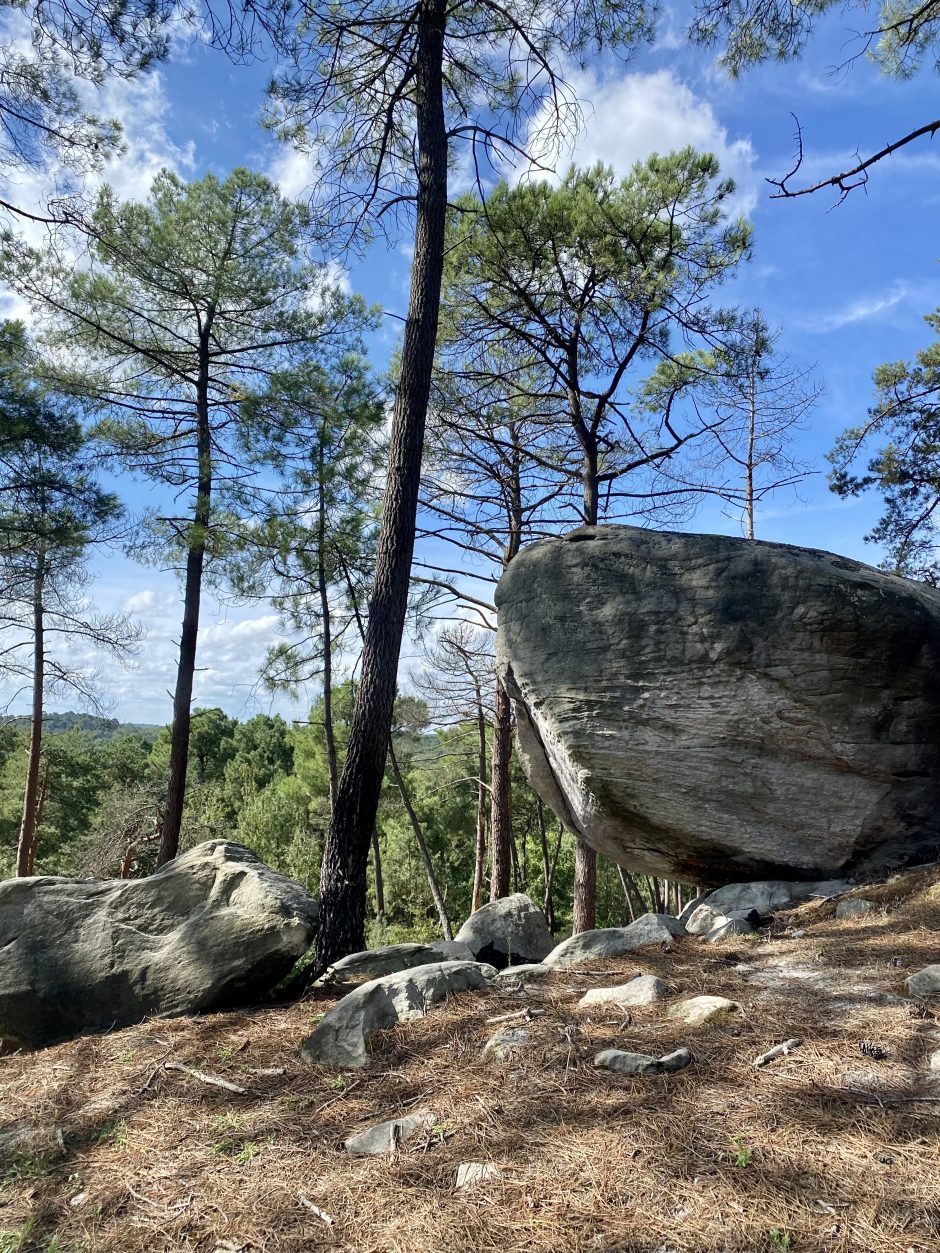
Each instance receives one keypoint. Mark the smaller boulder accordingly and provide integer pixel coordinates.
(688, 910)
(925, 982)
(615, 941)
(507, 1044)
(373, 963)
(385, 1137)
(933, 1062)
(643, 990)
(767, 895)
(342, 1036)
(699, 1010)
(508, 932)
(705, 919)
(730, 927)
(854, 907)
(641, 1063)
(532, 972)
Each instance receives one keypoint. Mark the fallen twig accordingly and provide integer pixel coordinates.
(323, 1216)
(201, 1075)
(779, 1050)
(527, 1013)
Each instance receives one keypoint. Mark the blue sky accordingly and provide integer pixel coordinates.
(848, 284)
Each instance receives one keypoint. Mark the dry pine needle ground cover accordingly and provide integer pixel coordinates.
(826, 1149)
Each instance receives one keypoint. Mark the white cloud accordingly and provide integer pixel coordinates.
(862, 309)
(295, 172)
(629, 118)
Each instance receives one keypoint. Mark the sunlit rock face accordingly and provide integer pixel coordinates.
(715, 709)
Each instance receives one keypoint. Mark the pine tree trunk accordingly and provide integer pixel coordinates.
(343, 873)
(331, 758)
(26, 847)
(479, 864)
(423, 851)
(377, 876)
(584, 911)
(192, 595)
(501, 797)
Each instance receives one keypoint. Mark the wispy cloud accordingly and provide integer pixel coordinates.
(870, 308)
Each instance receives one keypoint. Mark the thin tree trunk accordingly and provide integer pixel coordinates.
(633, 898)
(377, 876)
(343, 874)
(584, 911)
(548, 907)
(195, 560)
(501, 797)
(479, 864)
(331, 759)
(26, 847)
(428, 864)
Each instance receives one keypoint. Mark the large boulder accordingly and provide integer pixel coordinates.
(213, 929)
(708, 709)
(342, 1036)
(508, 932)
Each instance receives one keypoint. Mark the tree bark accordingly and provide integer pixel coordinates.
(343, 874)
(323, 589)
(195, 560)
(501, 797)
(377, 876)
(433, 884)
(26, 846)
(479, 864)
(584, 911)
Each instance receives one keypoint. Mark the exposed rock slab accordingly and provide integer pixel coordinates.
(699, 1010)
(341, 1038)
(507, 1045)
(641, 1063)
(767, 895)
(708, 708)
(615, 941)
(213, 929)
(385, 1137)
(508, 932)
(925, 982)
(373, 963)
(854, 907)
(643, 990)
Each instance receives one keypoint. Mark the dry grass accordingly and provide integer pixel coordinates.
(824, 1150)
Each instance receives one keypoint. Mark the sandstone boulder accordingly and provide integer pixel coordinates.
(390, 959)
(342, 1036)
(625, 1063)
(708, 708)
(643, 990)
(615, 941)
(385, 1137)
(213, 929)
(507, 932)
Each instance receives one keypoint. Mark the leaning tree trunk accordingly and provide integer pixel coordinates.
(479, 862)
(501, 797)
(26, 848)
(345, 856)
(438, 896)
(377, 876)
(195, 559)
(584, 909)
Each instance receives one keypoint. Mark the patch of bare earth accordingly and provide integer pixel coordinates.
(828, 1148)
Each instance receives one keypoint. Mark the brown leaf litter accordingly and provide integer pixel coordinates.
(104, 1148)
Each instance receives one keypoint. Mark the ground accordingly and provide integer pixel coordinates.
(828, 1148)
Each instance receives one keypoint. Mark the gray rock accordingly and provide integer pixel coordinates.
(533, 972)
(768, 895)
(375, 962)
(729, 928)
(854, 907)
(925, 982)
(342, 1036)
(933, 1062)
(615, 941)
(704, 708)
(688, 910)
(507, 932)
(469, 1173)
(507, 1045)
(385, 1137)
(699, 1010)
(704, 919)
(641, 1063)
(213, 929)
(746, 915)
(643, 990)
